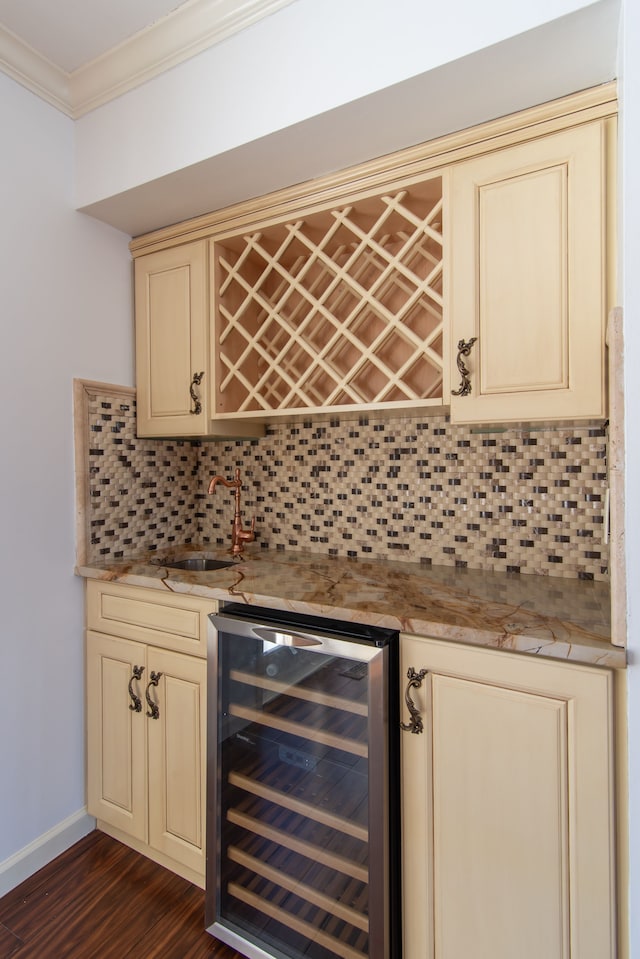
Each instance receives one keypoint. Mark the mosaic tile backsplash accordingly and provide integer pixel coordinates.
(409, 488)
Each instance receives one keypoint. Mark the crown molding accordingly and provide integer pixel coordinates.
(33, 71)
(193, 27)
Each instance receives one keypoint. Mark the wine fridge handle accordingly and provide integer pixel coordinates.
(415, 724)
(284, 637)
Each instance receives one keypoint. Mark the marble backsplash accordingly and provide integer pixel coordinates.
(414, 488)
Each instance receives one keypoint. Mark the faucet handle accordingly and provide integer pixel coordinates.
(248, 535)
(244, 536)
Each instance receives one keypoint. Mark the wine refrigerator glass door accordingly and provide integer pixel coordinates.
(298, 793)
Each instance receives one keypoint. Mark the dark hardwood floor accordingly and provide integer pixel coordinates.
(102, 899)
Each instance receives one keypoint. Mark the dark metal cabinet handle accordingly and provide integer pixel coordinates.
(135, 703)
(415, 724)
(197, 405)
(464, 349)
(154, 710)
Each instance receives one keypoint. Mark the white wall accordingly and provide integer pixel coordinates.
(307, 59)
(65, 312)
(324, 84)
(630, 258)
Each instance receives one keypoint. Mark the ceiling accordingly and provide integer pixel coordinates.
(71, 33)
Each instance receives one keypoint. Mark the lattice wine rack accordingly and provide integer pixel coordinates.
(339, 309)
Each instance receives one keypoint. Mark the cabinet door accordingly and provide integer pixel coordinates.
(176, 758)
(172, 341)
(116, 733)
(528, 279)
(507, 808)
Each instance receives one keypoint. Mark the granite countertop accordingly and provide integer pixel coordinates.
(552, 617)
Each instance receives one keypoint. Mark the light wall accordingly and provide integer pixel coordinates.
(277, 74)
(65, 308)
(629, 212)
(324, 84)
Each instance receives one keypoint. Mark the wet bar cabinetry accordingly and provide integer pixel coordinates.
(507, 792)
(507, 806)
(172, 345)
(340, 308)
(529, 278)
(146, 721)
(470, 272)
(172, 341)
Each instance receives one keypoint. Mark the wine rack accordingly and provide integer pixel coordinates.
(341, 309)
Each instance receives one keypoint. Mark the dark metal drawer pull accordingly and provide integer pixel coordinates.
(415, 724)
(135, 703)
(154, 710)
(464, 349)
(197, 405)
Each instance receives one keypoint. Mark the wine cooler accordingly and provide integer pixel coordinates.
(302, 801)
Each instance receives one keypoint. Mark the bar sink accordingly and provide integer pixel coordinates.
(197, 564)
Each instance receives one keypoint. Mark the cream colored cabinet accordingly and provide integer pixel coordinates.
(507, 806)
(470, 272)
(174, 369)
(528, 229)
(146, 722)
(172, 341)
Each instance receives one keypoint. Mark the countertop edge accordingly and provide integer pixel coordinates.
(543, 641)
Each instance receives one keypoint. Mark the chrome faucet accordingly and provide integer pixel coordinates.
(239, 536)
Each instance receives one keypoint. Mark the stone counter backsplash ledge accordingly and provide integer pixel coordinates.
(414, 488)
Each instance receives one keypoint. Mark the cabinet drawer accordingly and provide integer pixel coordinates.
(163, 619)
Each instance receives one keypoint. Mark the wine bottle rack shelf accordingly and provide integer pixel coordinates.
(340, 309)
(296, 835)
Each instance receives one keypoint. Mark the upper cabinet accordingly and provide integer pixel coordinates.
(528, 279)
(470, 273)
(173, 360)
(172, 341)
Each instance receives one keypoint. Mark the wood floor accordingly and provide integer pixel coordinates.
(101, 900)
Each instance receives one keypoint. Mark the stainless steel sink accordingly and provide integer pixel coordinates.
(198, 564)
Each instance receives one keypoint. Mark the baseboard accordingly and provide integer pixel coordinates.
(42, 850)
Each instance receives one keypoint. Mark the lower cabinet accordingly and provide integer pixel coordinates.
(146, 729)
(508, 806)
